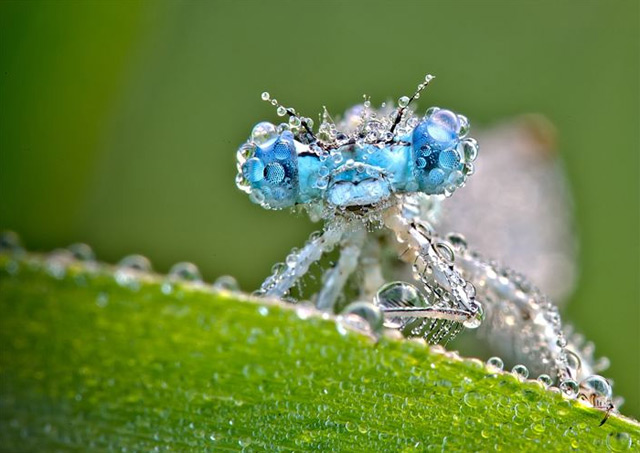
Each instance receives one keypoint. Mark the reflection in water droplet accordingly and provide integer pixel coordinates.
(569, 387)
(185, 271)
(496, 362)
(473, 399)
(129, 269)
(264, 133)
(597, 389)
(545, 380)
(476, 320)
(618, 441)
(226, 283)
(135, 262)
(397, 295)
(82, 252)
(363, 316)
(520, 371)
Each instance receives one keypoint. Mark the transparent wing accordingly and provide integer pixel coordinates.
(517, 208)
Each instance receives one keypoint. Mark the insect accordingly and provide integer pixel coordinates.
(377, 179)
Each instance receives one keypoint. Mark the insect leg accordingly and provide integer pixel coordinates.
(445, 296)
(285, 275)
(336, 277)
(371, 267)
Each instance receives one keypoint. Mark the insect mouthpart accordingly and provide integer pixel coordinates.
(358, 184)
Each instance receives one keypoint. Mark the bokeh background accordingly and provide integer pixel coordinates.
(119, 122)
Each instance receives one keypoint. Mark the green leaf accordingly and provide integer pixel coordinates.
(90, 363)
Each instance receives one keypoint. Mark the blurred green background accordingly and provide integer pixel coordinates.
(119, 122)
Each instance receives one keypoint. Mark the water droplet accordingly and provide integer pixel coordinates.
(10, 242)
(618, 441)
(265, 96)
(520, 371)
(597, 386)
(464, 125)
(226, 283)
(281, 111)
(185, 271)
(82, 252)
(264, 133)
(264, 311)
(473, 399)
(363, 316)
(476, 319)
(294, 121)
(569, 387)
(537, 427)
(397, 295)
(129, 270)
(445, 251)
(469, 150)
(403, 101)
(545, 380)
(431, 111)
(135, 262)
(495, 362)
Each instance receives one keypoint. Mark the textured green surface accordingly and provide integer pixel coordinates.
(89, 363)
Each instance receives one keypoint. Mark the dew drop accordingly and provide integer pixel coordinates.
(263, 133)
(469, 150)
(403, 101)
(185, 271)
(545, 380)
(618, 441)
(395, 295)
(281, 111)
(473, 399)
(294, 121)
(265, 96)
(464, 125)
(597, 386)
(226, 283)
(82, 252)
(520, 371)
(129, 270)
(495, 362)
(569, 387)
(363, 316)
(135, 262)
(476, 320)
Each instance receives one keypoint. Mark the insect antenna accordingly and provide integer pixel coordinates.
(282, 110)
(407, 101)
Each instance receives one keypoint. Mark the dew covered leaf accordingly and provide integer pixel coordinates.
(88, 362)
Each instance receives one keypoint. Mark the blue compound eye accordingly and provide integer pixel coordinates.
(438, 166)
(272, 170)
